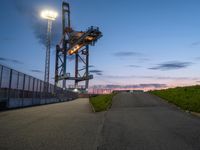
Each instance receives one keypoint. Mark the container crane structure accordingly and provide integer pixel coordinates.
(76, 44)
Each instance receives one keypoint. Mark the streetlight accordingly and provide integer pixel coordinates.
(50, 16)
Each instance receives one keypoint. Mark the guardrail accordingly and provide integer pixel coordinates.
(20, 90)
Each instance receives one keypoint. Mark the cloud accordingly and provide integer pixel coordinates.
(171, 66)
(40, 27)
(197, 58)
(11, 60)
(127, 54)
(151, 77)
(91, 66)
(133, 66)
(195, 43)
(16, 61)
(97, 72)
(6, 39)
(112, 86)
(36, 71)
(139, 57)
(144, 59)
(30, 11)
(3, 59)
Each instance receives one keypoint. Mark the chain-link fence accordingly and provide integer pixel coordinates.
(20, 90)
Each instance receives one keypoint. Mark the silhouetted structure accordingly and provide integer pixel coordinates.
(74, 43)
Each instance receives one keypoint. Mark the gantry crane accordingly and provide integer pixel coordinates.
(74, 43)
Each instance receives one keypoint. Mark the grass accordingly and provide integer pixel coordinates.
(101, 102)
(187, 98)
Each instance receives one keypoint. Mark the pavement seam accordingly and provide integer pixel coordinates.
(99, 139)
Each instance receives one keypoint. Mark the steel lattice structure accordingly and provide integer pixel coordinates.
(47, 59)
(74, 43)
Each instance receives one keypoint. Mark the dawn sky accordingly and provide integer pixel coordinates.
(145, 43)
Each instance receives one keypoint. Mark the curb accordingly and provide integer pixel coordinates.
(91, 106)
(195, 113)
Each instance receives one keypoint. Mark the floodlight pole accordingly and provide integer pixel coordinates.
(47, 59)
(49, 16)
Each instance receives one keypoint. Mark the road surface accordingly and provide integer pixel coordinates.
(62, 126)
(135, 122)
(145, 122)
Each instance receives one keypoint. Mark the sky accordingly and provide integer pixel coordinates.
(145, 44)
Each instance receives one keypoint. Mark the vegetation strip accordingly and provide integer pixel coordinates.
(101, 102)
(187, 98)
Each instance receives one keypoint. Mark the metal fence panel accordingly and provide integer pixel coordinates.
(5, 78)
(14, 80)
(26, 83)
(39, 84)
(24, 90)
(20, 82)
(35, 85)
(31, 84)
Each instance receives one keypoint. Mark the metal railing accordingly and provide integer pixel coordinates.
(19, 90)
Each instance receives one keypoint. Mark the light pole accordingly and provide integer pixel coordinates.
(49, 16)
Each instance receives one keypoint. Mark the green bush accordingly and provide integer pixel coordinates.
(187, 98)
(101, 102)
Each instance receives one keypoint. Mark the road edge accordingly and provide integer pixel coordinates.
(173, 105)
(92, 106)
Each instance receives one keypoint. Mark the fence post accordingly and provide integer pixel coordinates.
(23, 90)
(9, 89)
(1, 75)
(17, 84)
(29, 86)
(36, 90)
(45, 89)
(29, 80)
(33, 90)
(40, 91)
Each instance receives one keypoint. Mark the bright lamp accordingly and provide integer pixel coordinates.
(49, 14)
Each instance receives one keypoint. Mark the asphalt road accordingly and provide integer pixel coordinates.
(145, 122)
(62, 126)
(135, 122)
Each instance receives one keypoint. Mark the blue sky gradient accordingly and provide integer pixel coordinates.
(144, 41)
